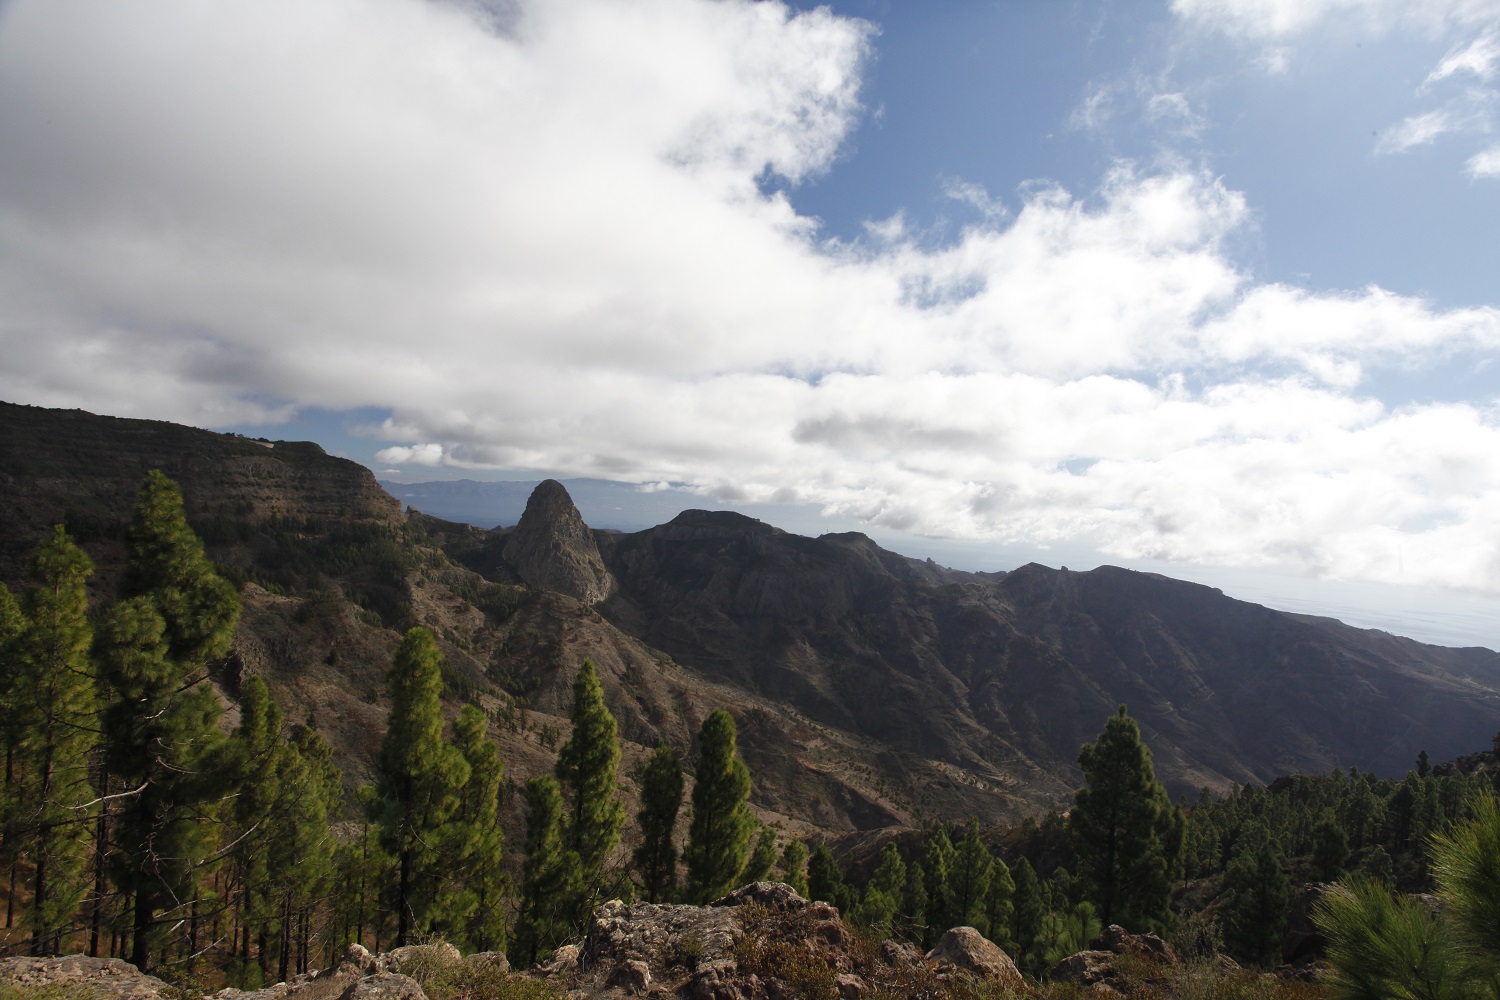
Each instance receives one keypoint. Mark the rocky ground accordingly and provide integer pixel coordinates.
(761, 942)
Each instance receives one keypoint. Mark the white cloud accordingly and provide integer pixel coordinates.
(546, 248)
(1478, 56)
(1269, 20)
(1484, 164)
(1418, 130)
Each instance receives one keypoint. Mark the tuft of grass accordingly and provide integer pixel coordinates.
(444, 978)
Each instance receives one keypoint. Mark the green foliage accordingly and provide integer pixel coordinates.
(999, 907)
(53, 701)
(969, 881)
(825, 880)
(161, 719)
(418, 781)
(913, 918)
(719, 836)
(881, 905)
(1330, 849)
(1026, 910)
(551, 877)
(1064, 933)
(166, 562)
(794, 866)
(1466, 867)
(257, 746)
(588, 767)
(1127, 832)
(661, 799)
(762, 859)
(1387, 945)
(1259, 896)
(1382, 945)
(937, 868)
(474, 901)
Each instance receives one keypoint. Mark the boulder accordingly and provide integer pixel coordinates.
(1119, 941)
(965, 948)
(384, 986)
(1085, 967)
(111, 978)
(358, 958)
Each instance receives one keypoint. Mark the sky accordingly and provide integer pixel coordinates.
(1200, 286)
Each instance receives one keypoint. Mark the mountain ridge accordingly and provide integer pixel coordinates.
(872, 689)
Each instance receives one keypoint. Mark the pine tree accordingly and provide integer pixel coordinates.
(12, 625)
(999, 907)
(1330, 849)
(588, 768)
(940, 857)
(475, 897)
(258, 747)
(794, 866)
(719, 836)
(881, 904)
(1127, 833)
(762, 859)
(301, 847)
(54, 701)
(161, 724)
(552, 875)
(418, 780)
(825, 879)
(1260, 895)
(914, 906)
(1027, 909)
(661, 799)
(969, 880)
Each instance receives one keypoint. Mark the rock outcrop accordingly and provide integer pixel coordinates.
(1097, 967)
(762, 942)
(114, 978)
(553, 549)
(964, 948)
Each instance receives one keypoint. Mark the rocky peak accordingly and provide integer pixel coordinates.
(553, 549)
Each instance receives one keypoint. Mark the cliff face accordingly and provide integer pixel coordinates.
(552, 549)
(84, 470)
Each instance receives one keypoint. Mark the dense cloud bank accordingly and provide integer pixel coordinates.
(537, 234)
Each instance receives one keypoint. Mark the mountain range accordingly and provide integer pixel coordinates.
(871, 690)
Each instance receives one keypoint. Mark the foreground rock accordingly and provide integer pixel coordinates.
(1097, 966)
(965, 949)
(110, 977)
(761, 942)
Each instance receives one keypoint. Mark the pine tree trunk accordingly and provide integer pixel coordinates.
(403, 917)
(101, 840)
(40, 931)
(140, 929)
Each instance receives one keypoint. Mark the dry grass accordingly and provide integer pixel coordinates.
(444, 978)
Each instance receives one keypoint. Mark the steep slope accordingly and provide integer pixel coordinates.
(1011, 675)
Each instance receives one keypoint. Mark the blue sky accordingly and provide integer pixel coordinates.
(1200, 286)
